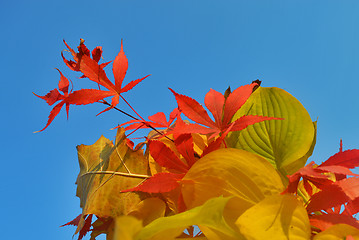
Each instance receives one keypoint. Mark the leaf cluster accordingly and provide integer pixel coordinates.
(238, 174)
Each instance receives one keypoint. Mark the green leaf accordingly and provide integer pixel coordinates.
(287, 143)
(209, 215)
(281, 217)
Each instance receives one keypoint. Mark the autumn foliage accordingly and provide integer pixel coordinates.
(240, 173)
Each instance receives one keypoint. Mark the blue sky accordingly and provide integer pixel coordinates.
(308, 48)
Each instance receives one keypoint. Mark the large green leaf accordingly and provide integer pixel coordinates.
(287, 143)
(278, 217)
(210, 215)
(247, 177)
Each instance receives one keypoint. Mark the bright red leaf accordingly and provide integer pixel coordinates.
(335, 194)
(92, 70)
(165, 157)
(325, 221)
(222, 110)
(339, 164)
(158, 183)
(157, 120)
(80, 97)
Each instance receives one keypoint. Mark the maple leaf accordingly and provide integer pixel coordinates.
(335, 194)
(175, 169)
(338, 164)
(83, 223)
(165, 157)
(80, 97)
(158, 183)
(326, 221)
(222, 110)
(92, 70)
(157, 120)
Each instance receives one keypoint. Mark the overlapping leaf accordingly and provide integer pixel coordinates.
(339, 232)
(222, 110)
(92, 70)
(230, 172)
(210, 215)
(165, 157)
(276, 217)
(157, 120)
(286, 144)
(105, 170)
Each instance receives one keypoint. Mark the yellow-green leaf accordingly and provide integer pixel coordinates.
(149, 210)
(284, 143)
(126, 228)
(231, 172)
(105, 170)
(209, 214)
(338, 232)
(279, 217)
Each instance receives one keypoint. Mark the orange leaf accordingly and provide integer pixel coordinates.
(335, 194)
(158, 183)
(165, 157)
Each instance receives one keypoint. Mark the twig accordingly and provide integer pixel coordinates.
(142, 121)
(133, 175)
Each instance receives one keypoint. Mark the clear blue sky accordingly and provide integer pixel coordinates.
(309, 48)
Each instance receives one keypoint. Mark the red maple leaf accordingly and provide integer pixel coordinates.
(157, 120)
(222, 109)
(92, 70)
(338, 164)
(86, 226)
(325, 221)
(335, 194)
(83, 50)
(165, 157)
(80, 97)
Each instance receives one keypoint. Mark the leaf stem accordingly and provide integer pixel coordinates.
(118, 174)
(131, 107)
(143, 121)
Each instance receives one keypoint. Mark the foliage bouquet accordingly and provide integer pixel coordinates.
(240, 174)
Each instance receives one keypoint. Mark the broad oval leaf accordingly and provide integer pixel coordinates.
(230, 172)
(210, 214)
(338, 232)
(287, 143)
(277, 217)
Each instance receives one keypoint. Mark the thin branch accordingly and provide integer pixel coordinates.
(119, 155)
(142, 121)
(131, 107)
(133, 175)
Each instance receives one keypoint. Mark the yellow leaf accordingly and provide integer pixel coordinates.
(105, 170)
(230, 172)
(277, 217)
(338, 232)
(210, 215)
(126, 228)
(149, 210)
